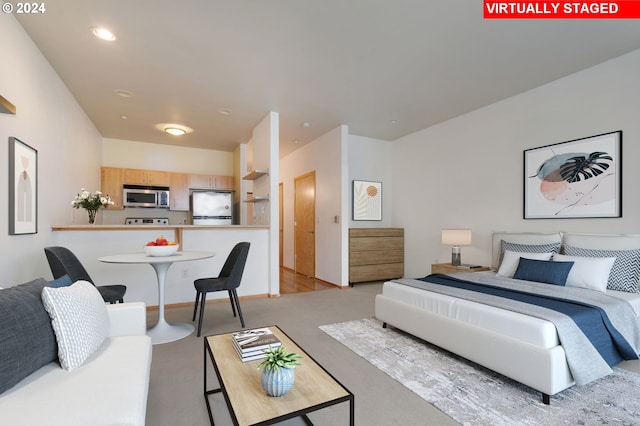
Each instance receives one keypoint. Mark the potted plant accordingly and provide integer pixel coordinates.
(277, 370)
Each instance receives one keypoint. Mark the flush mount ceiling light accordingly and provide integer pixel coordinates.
(123, 93)
(174, 129)
(103, 33)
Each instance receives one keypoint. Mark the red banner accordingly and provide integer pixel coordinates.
(624, 9)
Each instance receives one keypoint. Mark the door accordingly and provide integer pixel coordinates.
(304, 211)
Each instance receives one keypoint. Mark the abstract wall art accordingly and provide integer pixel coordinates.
(581, 178)
(367, 200)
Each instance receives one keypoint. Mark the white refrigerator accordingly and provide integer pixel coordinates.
(212, 207)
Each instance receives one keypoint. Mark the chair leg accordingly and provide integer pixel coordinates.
(235, 296)
(202, 301)
(195, 306)
(232, 300)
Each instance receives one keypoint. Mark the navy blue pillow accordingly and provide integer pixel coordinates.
(543, 271)
(63, 281)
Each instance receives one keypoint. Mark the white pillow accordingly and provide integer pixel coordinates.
(511, 259)
(587, 272)
(80, 321)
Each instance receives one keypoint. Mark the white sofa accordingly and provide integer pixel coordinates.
(111, 387)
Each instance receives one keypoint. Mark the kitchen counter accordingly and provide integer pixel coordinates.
(96, 227)
(91, 242)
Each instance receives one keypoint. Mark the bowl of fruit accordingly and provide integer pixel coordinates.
(161, 247)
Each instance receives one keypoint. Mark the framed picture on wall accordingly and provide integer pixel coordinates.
(367, 200)
(581, 178)
(23, 188)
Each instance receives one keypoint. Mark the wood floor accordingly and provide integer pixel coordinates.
(290, 282)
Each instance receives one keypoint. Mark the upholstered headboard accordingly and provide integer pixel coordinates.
(589, 241)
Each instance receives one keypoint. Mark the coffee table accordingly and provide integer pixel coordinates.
(249, 404)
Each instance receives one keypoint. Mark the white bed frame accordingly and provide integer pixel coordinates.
(543, 369)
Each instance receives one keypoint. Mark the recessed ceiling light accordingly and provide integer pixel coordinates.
(306, 124)
(296, 141)
(124, 117)
(103, 33)
(224, 111)
(124, 93)
(394, 121)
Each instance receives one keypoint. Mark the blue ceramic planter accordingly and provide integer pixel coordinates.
(278, 383)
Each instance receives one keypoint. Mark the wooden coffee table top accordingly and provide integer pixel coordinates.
(240, 381)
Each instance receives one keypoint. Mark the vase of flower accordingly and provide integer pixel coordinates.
(91, 203)
(92, 215)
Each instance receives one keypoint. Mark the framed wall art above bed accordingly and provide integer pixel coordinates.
(581, 178)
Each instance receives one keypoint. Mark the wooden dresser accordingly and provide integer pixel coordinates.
(375, 254)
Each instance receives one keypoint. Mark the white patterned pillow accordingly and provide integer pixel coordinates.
(527, 248)
(625, 272)
(80, 321)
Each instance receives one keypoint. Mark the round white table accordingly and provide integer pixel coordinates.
(162, 332)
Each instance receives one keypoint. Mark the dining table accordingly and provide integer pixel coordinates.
(162, 331)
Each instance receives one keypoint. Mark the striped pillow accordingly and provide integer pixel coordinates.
(625, 272)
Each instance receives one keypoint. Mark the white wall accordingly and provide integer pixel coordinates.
(263, 153)
(151, 156)
(468, 172)
(69, 149)
(326, 157)
(370, 159)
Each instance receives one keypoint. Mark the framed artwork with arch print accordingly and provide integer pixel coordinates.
(23, 188)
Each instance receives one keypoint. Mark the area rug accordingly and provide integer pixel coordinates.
(473, 395)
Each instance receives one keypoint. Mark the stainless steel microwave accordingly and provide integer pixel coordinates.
(145, 196)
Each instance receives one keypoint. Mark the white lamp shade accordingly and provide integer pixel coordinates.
(456, 237)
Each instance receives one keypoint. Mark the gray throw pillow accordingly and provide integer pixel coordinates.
(27, 341)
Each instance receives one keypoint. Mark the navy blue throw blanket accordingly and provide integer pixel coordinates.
(592, 320)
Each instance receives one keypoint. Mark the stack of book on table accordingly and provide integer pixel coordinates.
(250, 344)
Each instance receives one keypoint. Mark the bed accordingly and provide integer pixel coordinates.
(518, 345)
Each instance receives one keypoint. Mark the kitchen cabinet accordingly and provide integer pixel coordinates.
(147, 177)
(179, 192)
(202, 181)
(111, 181)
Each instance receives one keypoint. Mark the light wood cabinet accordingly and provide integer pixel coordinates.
(111, 181)
(201, 181)
(375, 254)
(147, 177)
(448, 268)
(179, 192)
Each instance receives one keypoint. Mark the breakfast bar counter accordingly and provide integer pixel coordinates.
(91, 242)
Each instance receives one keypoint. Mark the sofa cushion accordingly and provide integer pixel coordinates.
(27, 340)
(63, 281)
(80, 321)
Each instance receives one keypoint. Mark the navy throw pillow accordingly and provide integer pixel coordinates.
(543, 271)
(63, 281)
(27, 340)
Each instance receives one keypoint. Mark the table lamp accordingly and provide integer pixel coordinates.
(456, 238)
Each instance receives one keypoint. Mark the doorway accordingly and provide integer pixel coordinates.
(304, 225)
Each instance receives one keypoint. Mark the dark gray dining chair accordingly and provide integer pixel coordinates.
(228, 280)
(63, 262)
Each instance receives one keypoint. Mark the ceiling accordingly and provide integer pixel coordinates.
(384, 68)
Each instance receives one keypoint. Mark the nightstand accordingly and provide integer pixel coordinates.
(448, 268)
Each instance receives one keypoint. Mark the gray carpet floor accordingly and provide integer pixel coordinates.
(176, 385)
